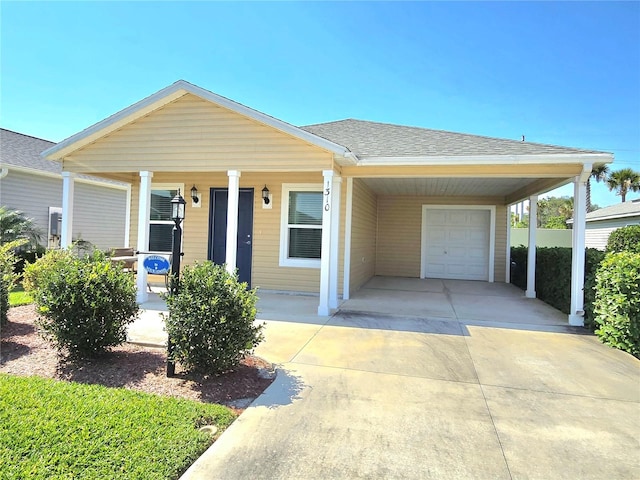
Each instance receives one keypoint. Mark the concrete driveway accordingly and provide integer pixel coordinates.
(365, 395)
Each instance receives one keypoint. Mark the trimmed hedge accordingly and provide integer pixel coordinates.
(553, 276)
(617, 302)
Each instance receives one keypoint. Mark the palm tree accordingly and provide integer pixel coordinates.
(599, 173)
(15, 225)
(624, 181)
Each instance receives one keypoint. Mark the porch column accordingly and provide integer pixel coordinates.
(144, 210)
(127, 218)
(347, 241)
(335, 241)
(325, 254)
(576, 315)
(507, 273)
(68, 187)
(232, 220)
(531, 251)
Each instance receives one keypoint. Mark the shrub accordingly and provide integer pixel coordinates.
(553, 275)
(624, 239)
(211, 319)
(7, 276)
(25, 256)
(617, 304)
(85, 303)
(593, 260)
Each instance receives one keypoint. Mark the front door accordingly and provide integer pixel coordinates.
(218, 230)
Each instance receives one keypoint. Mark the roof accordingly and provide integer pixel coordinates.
(619, 210)
(169, 94)
(22, 150)
(374, 139)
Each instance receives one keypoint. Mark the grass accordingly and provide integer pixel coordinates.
(62, 430)
(19, 297)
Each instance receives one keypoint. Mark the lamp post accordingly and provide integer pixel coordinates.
(177, 215)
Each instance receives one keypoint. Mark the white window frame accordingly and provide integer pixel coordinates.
(285, 261)
(165, 186)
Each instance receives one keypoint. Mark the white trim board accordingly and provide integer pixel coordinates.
(284, 260)
(492, 234)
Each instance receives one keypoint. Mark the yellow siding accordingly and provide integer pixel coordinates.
(363, 235)
(399, 232)
(194, 135)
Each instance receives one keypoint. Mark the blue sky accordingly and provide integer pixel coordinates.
(558, 73)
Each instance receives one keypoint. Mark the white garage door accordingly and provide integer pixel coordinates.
(456, 243)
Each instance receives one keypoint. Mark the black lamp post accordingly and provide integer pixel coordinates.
(177, 215)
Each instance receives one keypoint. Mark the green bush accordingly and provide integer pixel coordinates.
(624, 239)
(211, 319)
(553, 275)
(8, 276)
(85, 304)
(27, 255)
(593, 261)
(617, 304)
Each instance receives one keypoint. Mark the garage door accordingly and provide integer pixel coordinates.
(456, 243)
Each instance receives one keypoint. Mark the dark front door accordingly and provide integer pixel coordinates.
(218, 230)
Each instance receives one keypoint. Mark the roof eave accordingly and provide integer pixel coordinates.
(497, 159)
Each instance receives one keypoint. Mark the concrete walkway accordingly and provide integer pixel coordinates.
(459, 392)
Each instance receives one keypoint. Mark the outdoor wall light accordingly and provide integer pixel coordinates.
(265, 195)
(177, 208)
(194, 194)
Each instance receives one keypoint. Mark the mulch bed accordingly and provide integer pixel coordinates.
(24, 352)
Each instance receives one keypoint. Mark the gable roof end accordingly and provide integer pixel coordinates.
(169, 94)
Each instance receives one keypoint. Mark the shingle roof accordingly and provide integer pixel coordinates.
(387, 140)
(627, 209)
(24, 151)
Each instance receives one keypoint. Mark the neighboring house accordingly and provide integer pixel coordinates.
(601, 222)
(33, 185)
(347, 200)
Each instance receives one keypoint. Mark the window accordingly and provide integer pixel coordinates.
(160, 223)
(301, 230)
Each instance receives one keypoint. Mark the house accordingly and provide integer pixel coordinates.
(601, 222)
(33, 185)
(322, 208)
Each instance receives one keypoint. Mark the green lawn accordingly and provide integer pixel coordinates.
(54, 430)
(19, 297)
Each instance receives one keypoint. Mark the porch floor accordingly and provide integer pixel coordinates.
(467, 302)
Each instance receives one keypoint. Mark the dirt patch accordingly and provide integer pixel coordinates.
(24, 352)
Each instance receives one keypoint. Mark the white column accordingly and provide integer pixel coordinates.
(531, 258)
(347, 240)
(507, 273)
(576, 315)
(144, 210)
(232, 220)
(325, 255)
(335, 241)
(68, 187)
(127, 218)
